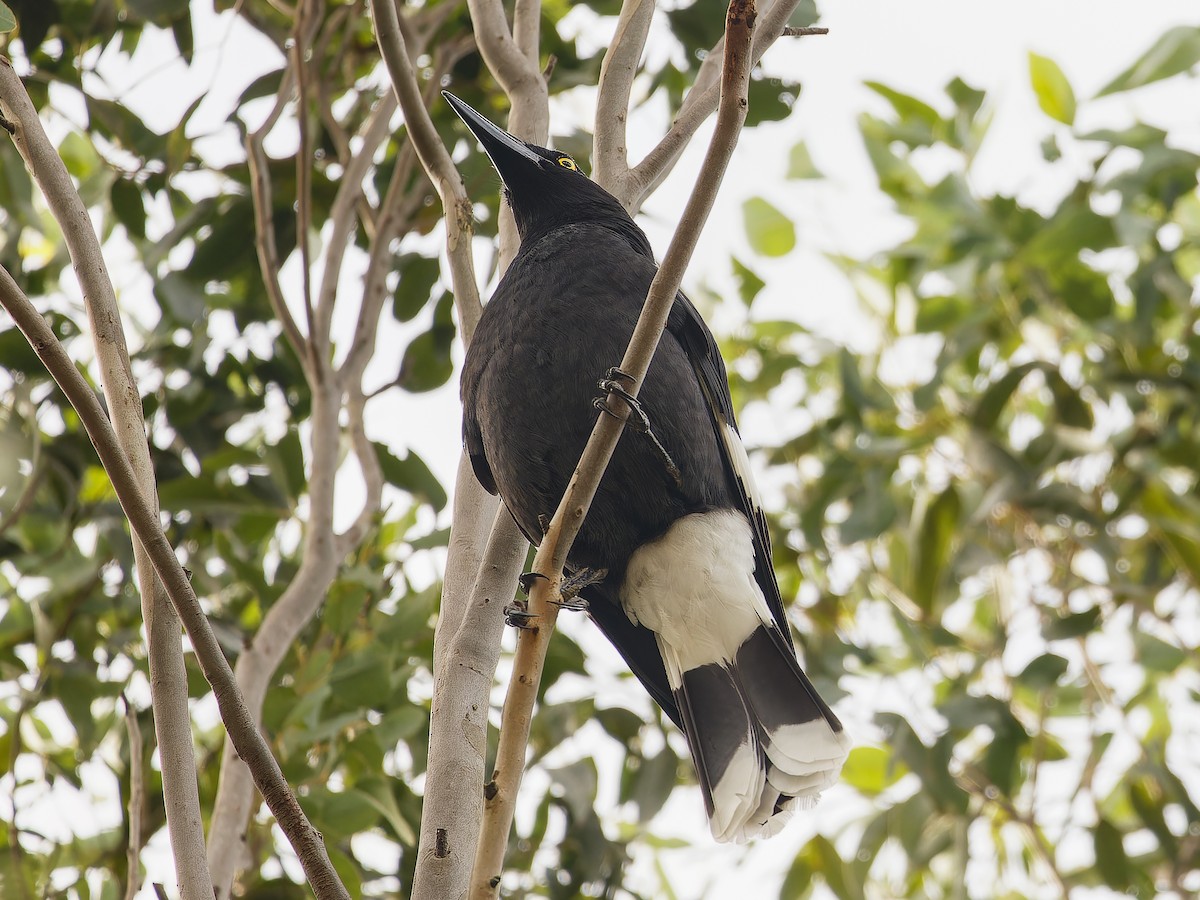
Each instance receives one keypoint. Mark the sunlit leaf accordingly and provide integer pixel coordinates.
(769, 231)
(1053, 91)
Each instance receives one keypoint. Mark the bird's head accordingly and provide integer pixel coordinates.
(545, 188)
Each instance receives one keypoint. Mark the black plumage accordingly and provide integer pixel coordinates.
(690, 599)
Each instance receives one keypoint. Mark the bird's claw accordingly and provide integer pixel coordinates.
(637, 419)
(568, 591)
(517, 615)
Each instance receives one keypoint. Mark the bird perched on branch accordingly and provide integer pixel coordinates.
(688, 595)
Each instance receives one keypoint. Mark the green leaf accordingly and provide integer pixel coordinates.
(1175, 52)
(769, 231)
(7, 20)
(1043, 672)
(1111, 860)
(655, 781)
(1054, 93)
(800, 163)
(1072, 626)
(128, 207)
(749, 284)
(411, 474)
(418, 274)
(933, 547)
(872, 769)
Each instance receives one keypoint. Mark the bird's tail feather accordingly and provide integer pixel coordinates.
(763, 741)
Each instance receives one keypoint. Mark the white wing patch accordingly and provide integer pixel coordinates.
(740, 461)
(694, 588)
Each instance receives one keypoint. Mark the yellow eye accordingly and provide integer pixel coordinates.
(567, 163)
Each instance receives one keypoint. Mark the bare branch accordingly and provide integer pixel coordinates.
(137, 799)
(343, 213)
(168, 679)
(527, 34)
(610, 163)
(264, 226)
(697, 106)
(564, 526)
(518, 73)
(372, 473)
(436, 161)
(302, 35)
(143, 519)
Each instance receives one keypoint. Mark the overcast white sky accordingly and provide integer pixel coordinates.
(915, 46)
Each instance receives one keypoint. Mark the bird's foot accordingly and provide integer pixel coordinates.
(637, 419)
(569, 590)
(517, 615)
(526, 581)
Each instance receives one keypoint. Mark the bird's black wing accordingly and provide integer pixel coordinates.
(686, 325)
(473, 441)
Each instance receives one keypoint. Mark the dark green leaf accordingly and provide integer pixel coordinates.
(1043, 672)
(411, 474)
(418, 274)
(933, 547)
(749, 284)
(1111, 860)
(1072, 625)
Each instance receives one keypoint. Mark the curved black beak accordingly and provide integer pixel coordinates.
(501, 147)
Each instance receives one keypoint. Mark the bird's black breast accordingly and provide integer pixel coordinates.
(561, 316)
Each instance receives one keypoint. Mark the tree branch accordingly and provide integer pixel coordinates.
(504, 56)
(610, 162)
(264, 227)
(453, 803)
(564, 526)
(697, 106)
(436, 161)
(143, 519)
(343, 215)
(168, 677)
(302, 34)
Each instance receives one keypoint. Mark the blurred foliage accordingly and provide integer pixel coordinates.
(990, 517)
(996, 505)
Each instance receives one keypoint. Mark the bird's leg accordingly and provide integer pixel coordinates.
(569, 590)
(638, 420)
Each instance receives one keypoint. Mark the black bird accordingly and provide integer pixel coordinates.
(689, 597)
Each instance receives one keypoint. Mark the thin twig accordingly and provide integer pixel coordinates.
(552, 554)
(264, 225)
(305, 11)
(137, 799)
(797, 31)
(143, 520)
(343, 212)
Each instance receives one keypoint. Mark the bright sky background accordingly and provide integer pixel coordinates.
(915, 46)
